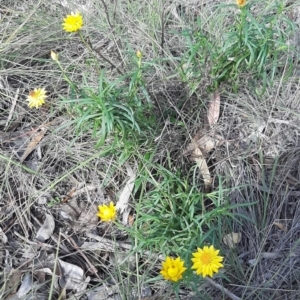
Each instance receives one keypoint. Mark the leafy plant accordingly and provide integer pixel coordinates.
(253, 46)
(175, 216)
(116, 107)
(103, 112)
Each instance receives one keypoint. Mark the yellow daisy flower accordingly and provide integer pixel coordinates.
(107, 213)
(172, 269)
(206, 261)
(73, 22)
(241, 3)
(36, 98)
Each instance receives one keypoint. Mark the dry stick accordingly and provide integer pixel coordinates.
(221, 288)
(106, 13)
(103, 57)
(13, 105)
(111, 28)
(107, 60)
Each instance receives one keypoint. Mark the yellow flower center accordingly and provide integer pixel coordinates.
(172, 271)
(106, 212)
(206, 258)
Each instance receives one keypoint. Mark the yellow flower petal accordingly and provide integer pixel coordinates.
(36, 98)
(107, 213)
(73, 22)
(206, 261)
(172, 269)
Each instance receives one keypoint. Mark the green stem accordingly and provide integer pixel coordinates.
(66, 77)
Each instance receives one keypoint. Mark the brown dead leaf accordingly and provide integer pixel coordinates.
(80, 215)
(232, 238)
(198, 149)
(3, 236)
(207, 143)
(69, 195)
(72, 277)
(201, 163)
(88, 218)
(36, 138)
(26, 285)
(47, 229)
(280, 226)
(123, 202)
(213, 109)
(103, 292)
(131, 219)
(13, 282)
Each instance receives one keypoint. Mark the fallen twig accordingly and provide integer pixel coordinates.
(221, 288)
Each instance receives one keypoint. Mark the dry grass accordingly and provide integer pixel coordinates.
(66, 177)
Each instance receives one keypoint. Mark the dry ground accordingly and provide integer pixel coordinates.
(51, 180)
